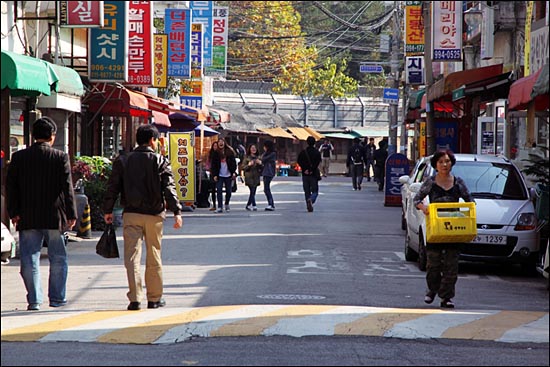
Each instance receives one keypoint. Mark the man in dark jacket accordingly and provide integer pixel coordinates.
(355, 162)
(380, 156)
(309, 160)
(145, 181)
(41, 204)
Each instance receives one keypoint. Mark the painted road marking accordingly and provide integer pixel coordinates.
(173, 325)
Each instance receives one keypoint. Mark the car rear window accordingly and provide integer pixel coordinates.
(491, 180)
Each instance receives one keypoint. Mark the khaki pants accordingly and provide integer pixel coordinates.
(138, 227)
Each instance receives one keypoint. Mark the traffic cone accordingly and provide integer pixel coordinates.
(85, 229)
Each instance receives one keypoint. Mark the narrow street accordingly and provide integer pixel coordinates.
(282, 281)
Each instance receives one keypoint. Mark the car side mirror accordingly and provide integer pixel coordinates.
(404, 179)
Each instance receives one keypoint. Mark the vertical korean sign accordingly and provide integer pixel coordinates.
(447, 30)
(182, 161)
(177, 24)
(397, 165)
(140, 55)
(220, 32)
(160, 61)
(201, 12)
(414, 28)
(196, 51)
(80, 14)
(108, 57)
(414, 70)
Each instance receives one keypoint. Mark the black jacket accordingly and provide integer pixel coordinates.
(39, 188)
(145, 181)
(304, 162)
(216, 164)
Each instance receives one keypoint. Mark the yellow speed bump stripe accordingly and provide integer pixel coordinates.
(492, 327)
(148, 332)
(255, 326)
(376, 324)
(38, 331)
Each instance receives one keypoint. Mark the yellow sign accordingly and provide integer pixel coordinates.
(527, 47)
(160, 61)
(422, 149)
(414, 29)
(182, 159)
(191, 88)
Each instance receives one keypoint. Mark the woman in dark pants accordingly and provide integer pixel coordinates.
(442, 264)
(268, 172)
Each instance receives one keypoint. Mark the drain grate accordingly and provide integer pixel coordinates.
(290, 296)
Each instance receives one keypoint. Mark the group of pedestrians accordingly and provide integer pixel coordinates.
(224, 169)
(144, 181)
(363, 156)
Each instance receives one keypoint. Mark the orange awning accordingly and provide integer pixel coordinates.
(299, 132)
(317, 135)
(161, 118)
(519, 96)
(277, 132)
(444, 87)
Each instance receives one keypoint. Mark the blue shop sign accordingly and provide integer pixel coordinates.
(397, 165)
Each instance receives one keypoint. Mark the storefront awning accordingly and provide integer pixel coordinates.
(25, 75)
(160, 118)
(299, 132)
(415, 99)
(276, 132)
(317, 135)
(443, 88)
(69, 89)
(116, 100)
(519, 96)
(495, 87)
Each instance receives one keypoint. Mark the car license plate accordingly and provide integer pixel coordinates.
(490, 239)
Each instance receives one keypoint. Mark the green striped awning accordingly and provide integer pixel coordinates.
(25, 75)
(69, 80)
(415, 99)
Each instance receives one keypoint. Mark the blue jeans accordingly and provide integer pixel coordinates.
(267, 190)
(311, 187)
(30, 243)
(227, 182)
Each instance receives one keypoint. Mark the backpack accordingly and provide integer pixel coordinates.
(357, 155)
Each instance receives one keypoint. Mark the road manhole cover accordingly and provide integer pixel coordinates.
(290, 296)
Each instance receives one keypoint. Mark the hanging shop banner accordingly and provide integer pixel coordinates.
(220, 33)
(108, 56)
(177, 24)
(422, 140)
(181, 148)
(397, 165)
(414, 72)
(80, 14)
(160, 61)
(140, 55)
(414, 29)
(447, 30)
(191, 93)
(446, 135)
(201, 12)
(196, 51)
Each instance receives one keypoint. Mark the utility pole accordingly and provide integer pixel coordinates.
(426, 14)
(395, 74)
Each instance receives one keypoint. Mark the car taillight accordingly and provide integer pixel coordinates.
(526, 222)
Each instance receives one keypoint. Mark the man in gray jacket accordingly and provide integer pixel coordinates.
(145, 181)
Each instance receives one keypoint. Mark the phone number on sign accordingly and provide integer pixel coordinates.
(447, 55)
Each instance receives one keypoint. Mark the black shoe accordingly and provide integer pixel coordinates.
(159, 303)
(134, 306)
(447, 303)
(429, 298)
(358, 187)
(309, 205)
(33, 307)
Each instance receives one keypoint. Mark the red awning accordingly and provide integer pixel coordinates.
(116, 100)
(161, 118)
(443, 88)
(520, 94)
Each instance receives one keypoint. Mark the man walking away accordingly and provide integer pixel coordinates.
(309, 160)
(380, 156)
(369, 161)
(41, 204)
(144, 180)
(326, 150)
(355, 161)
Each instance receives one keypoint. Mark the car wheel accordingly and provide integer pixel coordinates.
(410, 254)
(422, 256)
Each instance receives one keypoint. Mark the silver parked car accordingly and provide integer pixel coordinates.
(506, 219)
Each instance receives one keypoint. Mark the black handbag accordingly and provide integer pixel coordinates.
(107, 246)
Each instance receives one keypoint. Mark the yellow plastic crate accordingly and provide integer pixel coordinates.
(451, 226)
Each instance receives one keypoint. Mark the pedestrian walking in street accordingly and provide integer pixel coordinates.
(41, 205)
(326, 150)
(268, 159)
(380, 156)
(252, 169)
(224, 171)
(442, 258)
(146, 186)
(309, 160)
(370, 148)
(355, 162)
(208, 167)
